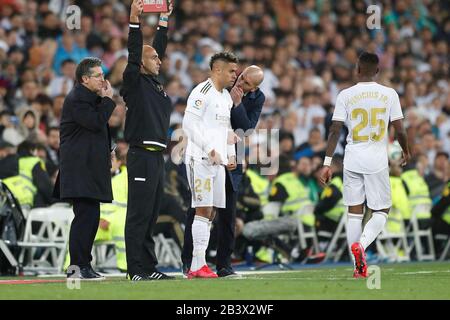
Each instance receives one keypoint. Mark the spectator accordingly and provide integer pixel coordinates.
(315, 144)
(438, 177)
(68, 49)
(64, 83)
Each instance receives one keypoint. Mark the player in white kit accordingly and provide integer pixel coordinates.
(366, 109)
(210, 147)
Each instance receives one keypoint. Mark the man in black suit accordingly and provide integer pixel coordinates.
(85, 160)
(248, 101)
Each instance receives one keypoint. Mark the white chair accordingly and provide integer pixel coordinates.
(390, 244)
(45, 250)
(413, 231)
(333, 251)
(8, 254)
(104, 255)
(167, 251)
(446, 250)
(303, 236)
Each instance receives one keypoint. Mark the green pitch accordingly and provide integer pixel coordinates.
(397, 281)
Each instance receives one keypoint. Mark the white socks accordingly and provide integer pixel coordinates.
(200, 237)
(354, 227)
(209, 235)
(373, 228)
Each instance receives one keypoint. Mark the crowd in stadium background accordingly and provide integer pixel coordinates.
(308, 50)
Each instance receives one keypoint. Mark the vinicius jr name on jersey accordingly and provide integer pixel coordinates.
(367, 95)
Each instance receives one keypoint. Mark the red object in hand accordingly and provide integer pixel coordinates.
(156, 6)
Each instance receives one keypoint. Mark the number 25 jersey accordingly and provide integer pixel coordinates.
(366, 108)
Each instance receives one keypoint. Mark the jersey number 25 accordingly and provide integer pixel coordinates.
(375, 123)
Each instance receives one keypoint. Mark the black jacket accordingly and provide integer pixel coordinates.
(85, 149)
(245, 117)
(148, 106)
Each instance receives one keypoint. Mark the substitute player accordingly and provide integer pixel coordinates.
(208, 128)
(366, 109)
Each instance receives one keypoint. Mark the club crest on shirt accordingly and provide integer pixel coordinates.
(198, 104)
(199, 197)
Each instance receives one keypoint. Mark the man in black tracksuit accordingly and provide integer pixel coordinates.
(146, 129)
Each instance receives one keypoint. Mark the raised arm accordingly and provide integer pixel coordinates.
(135, 43)
(160, 41)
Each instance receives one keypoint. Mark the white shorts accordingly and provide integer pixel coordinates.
(207, 184)
(375, 188)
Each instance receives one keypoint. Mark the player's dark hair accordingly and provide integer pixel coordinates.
(225, 56)
(368, 63)
(85, 66)
(368, 58)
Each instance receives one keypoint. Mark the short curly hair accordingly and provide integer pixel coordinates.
(223, 56)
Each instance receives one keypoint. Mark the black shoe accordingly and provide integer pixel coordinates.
(228, 273)
(137, 277)
(86, 274)
(156, 275)
(185, 269)
(95, 272)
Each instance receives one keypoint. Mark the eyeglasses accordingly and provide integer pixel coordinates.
(98, 75)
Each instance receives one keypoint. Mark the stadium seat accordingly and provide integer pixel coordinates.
(167, 251)
(45, 241)
(303, 236)
(333, 250)
(417, 234)
(393, 246)
(103, 256)
(446, 250)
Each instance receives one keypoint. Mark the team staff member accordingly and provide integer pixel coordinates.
(248, 101)
(26, 176)
(146, 129)
(84, 174)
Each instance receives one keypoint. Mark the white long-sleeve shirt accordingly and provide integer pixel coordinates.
(207, 122)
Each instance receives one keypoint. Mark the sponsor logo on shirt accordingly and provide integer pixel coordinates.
(222, 119)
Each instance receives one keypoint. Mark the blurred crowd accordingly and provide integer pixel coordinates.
(308, 50)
